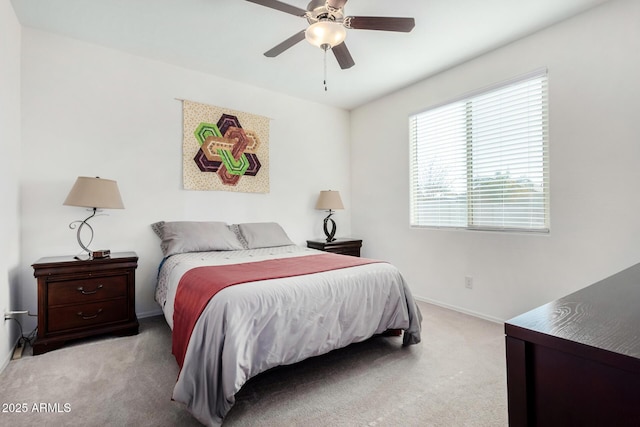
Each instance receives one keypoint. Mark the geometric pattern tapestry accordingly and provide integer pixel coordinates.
(224, 150)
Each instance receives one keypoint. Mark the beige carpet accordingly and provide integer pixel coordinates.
(455, 377)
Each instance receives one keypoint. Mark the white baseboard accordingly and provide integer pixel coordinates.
(7, 358)
(459, 309)
(151, 313)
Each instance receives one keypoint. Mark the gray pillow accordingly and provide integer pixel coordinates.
(192, 236)
(263, 235)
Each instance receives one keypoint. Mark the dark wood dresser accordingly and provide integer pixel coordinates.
(576, 361)
(81, 298)
(338, 246)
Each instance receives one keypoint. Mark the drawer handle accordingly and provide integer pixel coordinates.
(83, 292)
(81, 314)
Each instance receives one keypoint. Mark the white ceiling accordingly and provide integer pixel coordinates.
(228, 37)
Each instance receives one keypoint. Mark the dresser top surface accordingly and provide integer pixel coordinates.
(605, 315)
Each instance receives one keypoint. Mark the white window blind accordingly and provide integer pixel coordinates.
(481, 162)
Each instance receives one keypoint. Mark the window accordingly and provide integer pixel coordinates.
(481, 162)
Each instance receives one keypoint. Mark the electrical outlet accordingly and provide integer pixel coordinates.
(468, 282)
(11, 314)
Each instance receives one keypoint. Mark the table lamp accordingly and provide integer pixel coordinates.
(93, 193)
(328, 201)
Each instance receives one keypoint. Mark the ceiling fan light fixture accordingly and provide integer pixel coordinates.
(325, 33)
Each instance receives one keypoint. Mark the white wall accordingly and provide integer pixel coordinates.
(88, 110)
(9, 174)
(594, 64)
(92, 111)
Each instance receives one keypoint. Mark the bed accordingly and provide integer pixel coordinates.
(243, 299)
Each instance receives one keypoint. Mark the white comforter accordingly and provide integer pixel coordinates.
(249, 328)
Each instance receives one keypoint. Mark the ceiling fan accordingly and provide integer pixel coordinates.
(328, 24)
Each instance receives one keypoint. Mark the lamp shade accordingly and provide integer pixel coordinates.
(325, 33)
(94, 193)
(329, 200)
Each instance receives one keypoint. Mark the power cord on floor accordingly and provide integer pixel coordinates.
(25, 339)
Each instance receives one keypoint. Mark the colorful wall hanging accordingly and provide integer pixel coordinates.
(224, 150)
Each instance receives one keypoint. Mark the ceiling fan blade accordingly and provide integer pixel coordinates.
(382, 23)
(277, 50)
(282, 7)
(343, 56)
(336, 4)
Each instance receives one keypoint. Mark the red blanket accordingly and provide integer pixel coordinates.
(198, 285)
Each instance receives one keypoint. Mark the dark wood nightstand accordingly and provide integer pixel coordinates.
(78, 298)
(338, 246)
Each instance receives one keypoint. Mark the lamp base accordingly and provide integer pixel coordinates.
(332, 232)
(80, 225)
(103, 253)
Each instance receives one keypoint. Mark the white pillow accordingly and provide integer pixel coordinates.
(192, 236)
(263, 235)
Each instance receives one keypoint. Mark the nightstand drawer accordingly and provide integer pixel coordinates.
(353, 252)
(86, 290)
(78, 316)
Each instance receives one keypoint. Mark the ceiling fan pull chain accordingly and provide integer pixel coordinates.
(325, 70)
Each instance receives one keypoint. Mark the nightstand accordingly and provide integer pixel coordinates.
(338, 246)
(82, 298)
